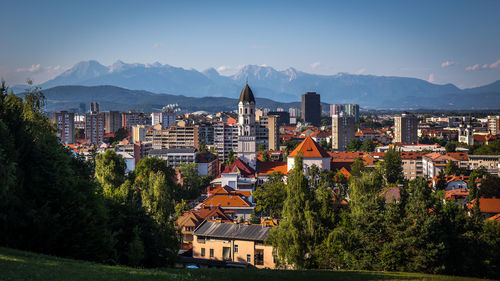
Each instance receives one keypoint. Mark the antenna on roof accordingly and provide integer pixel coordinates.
(247, 79)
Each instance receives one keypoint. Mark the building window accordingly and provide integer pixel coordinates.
(211, 253)
(235, 249)
(202, 252)
(249, 258)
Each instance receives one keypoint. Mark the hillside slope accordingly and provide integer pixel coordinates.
(20, 265)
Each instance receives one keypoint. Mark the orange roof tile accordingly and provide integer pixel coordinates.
(309, 149)
(267, 168)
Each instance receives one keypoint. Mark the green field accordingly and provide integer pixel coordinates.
(19, 265)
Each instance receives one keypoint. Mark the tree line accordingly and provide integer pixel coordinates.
(57, 203)
(416, 232)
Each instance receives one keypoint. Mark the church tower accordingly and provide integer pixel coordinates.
(247, 150)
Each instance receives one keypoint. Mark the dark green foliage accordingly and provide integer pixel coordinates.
(49, 201)
(450, 147)
(354, 145)
(231, 157)
(270, 196)
(393, 168)
(357, 167)
(367, 145)
(492, 148)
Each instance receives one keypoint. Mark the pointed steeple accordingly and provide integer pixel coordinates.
(247, 94)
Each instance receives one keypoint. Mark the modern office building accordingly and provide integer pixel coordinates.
(405, 129)
(343, 128)
(65, 123)
(311, 108)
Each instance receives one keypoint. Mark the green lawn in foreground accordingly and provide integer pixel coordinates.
(19, 265)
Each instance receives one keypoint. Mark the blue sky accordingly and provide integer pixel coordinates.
(440, 41)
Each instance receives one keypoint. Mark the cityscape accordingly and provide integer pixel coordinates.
(153, 172)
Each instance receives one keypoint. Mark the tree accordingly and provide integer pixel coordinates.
(357, 167)
(492, 148)
(294, 239)
(451, 168)
(368, 145)
(354, 145)
(261, 147)
(110, 171)
(325, 145)
(266, 157)
(393, 167)
(191, 187)
(230, 157)
(450, 147)
(270, 196)
(441, 184)
(49, 200)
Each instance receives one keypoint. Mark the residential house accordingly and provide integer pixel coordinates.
(233, 242)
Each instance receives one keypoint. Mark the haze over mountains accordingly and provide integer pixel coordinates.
(283, 86)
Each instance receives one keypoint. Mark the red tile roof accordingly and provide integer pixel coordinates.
(241, 167)
(309, 149)
(267, 168)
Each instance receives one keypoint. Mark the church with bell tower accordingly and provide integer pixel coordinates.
(247, 128)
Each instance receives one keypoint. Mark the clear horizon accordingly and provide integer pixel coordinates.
(454, 42)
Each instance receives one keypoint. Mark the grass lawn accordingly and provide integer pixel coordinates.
(19, 265)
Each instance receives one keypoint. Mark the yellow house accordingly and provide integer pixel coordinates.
(230, 242)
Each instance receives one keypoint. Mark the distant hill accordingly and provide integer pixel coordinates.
(286, 86)
(116, 98)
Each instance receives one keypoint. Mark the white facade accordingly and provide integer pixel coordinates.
(165, 118)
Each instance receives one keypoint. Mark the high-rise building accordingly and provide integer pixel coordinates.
(65, 123)
(405, 129)
(247, 146)
(113, 121)
(94, 127)
(311, 108)
(165, 118)
(494, 125)
(180, 135)
(206, 133)
(94, 107)
(132, 118)
(343, 127)
(283, 117)
(225, 139)
(294, 112)
(353, 110)
(139, 133)
(273, 131)
(336, 109)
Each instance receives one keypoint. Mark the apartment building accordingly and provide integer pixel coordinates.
(166, 119)
(176, 156)
(225, 139)
(435, 162)
(113, 121)
(139, 133)
(94, 127)
(233, 242)
(180, 135)
(405, 129)
(412, 164)
(342, 131)
(133, 118)
(494, 125)
(490, 162)
(65, 123)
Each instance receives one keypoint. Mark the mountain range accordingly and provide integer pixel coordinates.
(285, 86)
